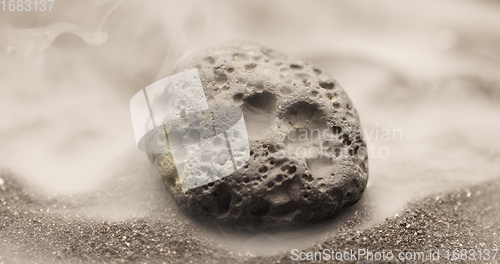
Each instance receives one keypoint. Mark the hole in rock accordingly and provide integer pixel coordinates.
(222, 197)
(209, 60)
(259, 111)
(238, 97)
(320, 166)
(263, 169)
(296, 67)
(304, 114)
(327, 85)
(250, 66)
(336, 130)
(220, 80)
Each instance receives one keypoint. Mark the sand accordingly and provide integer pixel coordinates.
(462, 219)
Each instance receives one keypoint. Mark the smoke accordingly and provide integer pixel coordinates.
(66, 82)
(22, 42)
(66, 79)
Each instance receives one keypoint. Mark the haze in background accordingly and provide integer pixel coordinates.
(428, 69)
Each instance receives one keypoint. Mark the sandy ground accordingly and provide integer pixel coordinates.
(32, 232)
(75, 188)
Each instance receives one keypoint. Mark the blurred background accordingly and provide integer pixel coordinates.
(428, 70)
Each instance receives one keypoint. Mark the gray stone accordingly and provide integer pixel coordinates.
(308, 158)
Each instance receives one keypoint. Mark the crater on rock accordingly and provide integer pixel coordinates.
(259, 111)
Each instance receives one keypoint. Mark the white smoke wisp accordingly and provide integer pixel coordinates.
(60, 114)
(188, 26)
(23, 42)
(26, 41)
(64, 103)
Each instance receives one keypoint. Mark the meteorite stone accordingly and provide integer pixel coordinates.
(307, 159)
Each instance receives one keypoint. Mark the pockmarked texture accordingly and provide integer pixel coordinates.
(307, 155)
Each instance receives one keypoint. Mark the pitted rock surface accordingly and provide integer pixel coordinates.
(295, 175)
